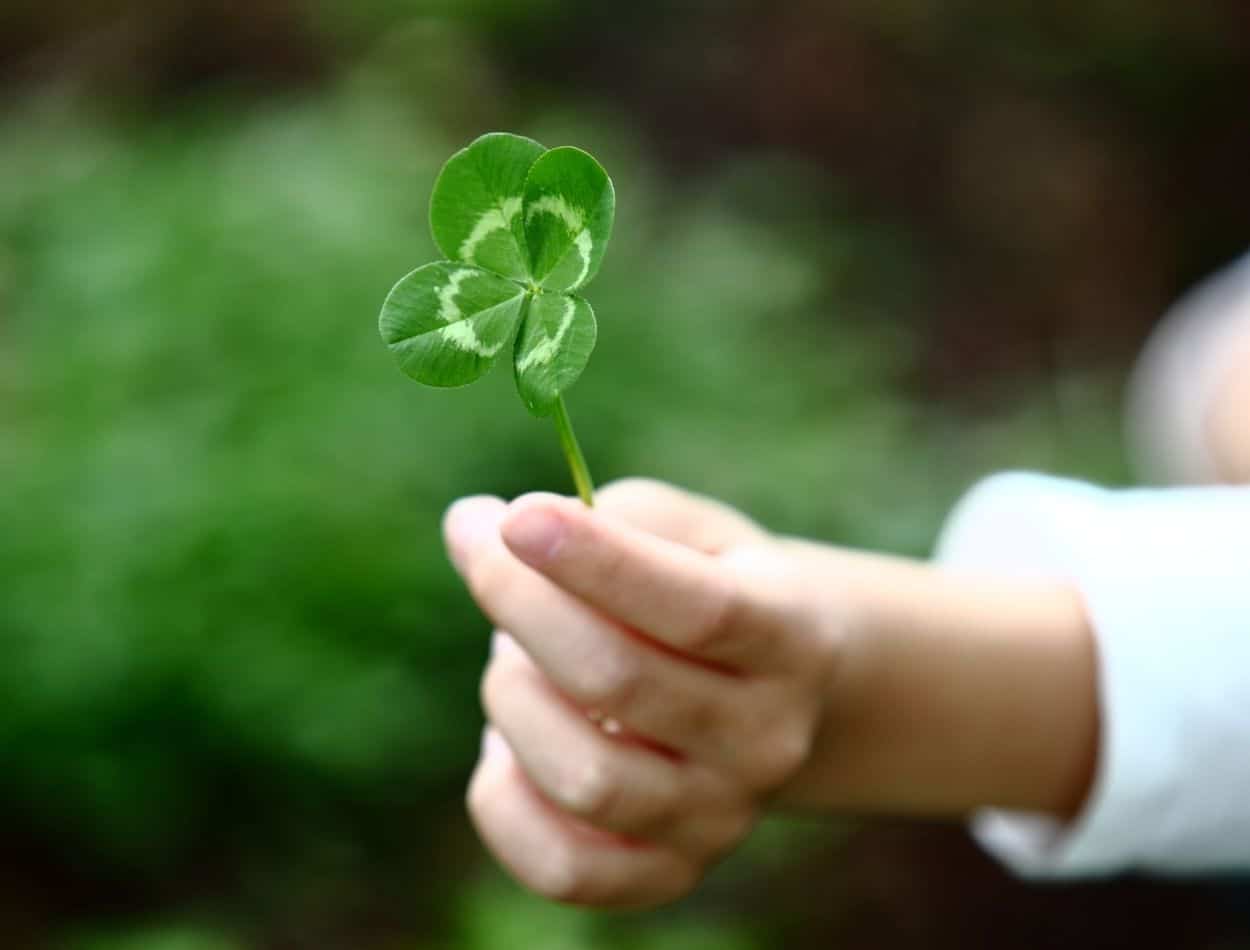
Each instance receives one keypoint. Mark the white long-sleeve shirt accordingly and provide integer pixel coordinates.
(1165, 577)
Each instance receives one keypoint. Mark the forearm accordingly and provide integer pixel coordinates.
(952, 693)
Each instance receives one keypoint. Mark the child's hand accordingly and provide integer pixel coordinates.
(657, 684)
(671, 668)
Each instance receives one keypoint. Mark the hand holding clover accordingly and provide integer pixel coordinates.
(669, 669)
(638, 729)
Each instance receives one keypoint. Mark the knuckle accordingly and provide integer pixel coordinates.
(610, 680)
(561, 874)
(721, 834)
(695, 714)
(668, 809)
(494, 688)
(724, 615)
(779, 757)
(591, 791)
(663, 810)
(674, 880)
(712, 815)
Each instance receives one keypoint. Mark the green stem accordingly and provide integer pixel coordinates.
(573, 453)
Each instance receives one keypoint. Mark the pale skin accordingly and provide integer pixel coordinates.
(671, 671)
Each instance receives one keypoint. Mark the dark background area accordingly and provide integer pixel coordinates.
(866, 252)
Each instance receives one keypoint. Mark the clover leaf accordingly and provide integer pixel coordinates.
(524, 228)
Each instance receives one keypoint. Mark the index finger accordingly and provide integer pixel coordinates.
(692, 520)
(688, 601)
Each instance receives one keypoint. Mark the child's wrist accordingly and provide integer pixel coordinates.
(948, 694)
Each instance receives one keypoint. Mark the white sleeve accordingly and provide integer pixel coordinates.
(1165, 576)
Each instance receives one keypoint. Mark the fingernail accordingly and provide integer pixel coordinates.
(534, 534)
(469, 523)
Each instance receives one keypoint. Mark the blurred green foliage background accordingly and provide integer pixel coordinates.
(865, 253)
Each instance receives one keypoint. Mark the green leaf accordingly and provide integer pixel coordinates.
(475, 210)
(569, 207)
(447, 323)
(552, 348)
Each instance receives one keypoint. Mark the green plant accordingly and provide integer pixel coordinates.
(524, 229)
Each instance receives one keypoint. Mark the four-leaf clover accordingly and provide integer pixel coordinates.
(524, 229)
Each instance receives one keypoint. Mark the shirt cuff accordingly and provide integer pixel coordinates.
(1164, 576)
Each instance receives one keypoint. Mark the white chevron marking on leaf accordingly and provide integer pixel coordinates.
(573, 220)
(448, 312)
(584, 244)
(496, 219)
(544, 352)
(557, 206)
(462, 336)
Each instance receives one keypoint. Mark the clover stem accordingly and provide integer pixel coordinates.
(573, 453)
